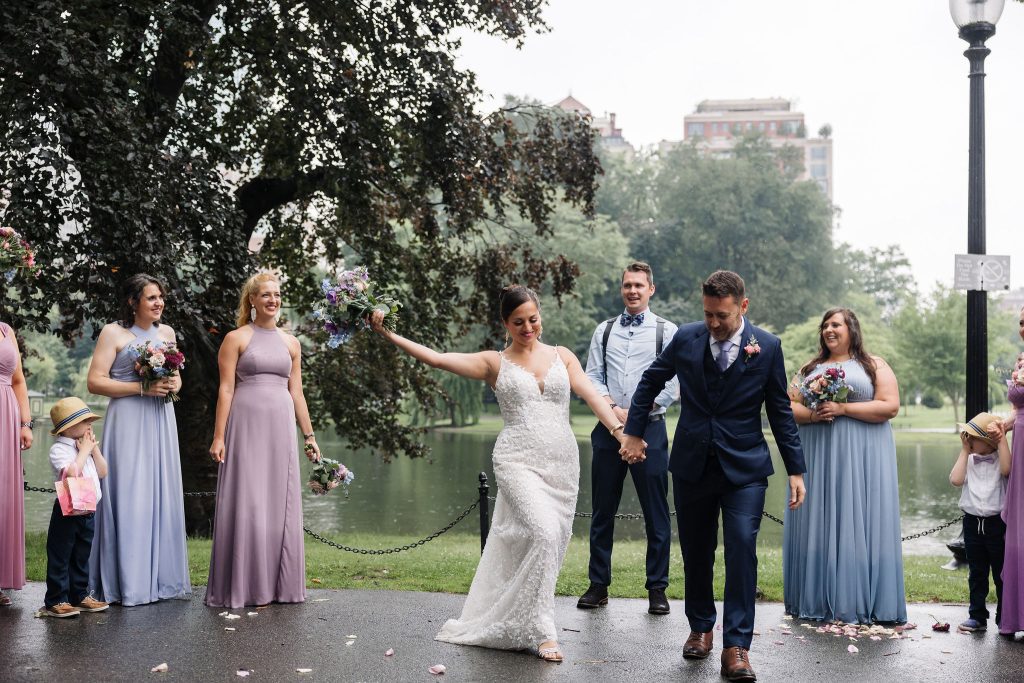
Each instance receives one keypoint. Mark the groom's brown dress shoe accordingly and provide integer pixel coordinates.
(698, 645)
(736, 665)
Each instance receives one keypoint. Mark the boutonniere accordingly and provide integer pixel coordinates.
(751, 349)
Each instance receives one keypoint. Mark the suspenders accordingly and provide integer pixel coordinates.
(659, 337)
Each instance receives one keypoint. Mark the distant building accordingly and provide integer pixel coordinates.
(716, 124)
(611, 137)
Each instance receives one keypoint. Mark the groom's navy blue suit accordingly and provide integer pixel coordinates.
(720, 462)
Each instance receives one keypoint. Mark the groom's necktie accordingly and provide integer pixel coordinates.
(723, 354)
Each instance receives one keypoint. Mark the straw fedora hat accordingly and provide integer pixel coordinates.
(976, 427)
(68, 412)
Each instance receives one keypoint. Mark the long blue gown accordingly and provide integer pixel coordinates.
(842, 553)
(138, 552)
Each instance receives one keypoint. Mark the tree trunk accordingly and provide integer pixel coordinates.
(195, 414)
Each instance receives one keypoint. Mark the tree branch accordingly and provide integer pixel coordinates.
(261, 195)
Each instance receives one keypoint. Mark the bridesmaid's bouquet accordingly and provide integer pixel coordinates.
(15, 254)
(1017, 376)
(828, 385)
(155, 361)
(328, 475)
(348, 303)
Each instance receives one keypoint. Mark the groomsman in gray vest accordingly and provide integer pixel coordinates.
(621, 349)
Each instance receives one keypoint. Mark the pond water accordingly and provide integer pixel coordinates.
(413, 498)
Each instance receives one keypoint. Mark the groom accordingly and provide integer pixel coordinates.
(720, 462)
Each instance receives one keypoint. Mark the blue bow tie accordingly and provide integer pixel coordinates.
(635, 320)
(990, 457)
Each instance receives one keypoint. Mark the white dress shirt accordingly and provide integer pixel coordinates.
(64, 452)
(984, 490)
(631, 350)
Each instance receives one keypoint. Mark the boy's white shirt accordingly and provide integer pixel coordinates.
(984, 489)
(64, 452)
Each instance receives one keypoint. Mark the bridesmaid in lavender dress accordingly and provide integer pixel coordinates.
(258, 555)
(15, 436)
(138, 551)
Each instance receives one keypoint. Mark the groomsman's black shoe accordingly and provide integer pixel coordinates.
(596, 596)
(698, 645)
(658, 601)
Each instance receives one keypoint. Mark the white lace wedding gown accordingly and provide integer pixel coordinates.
(511, 603)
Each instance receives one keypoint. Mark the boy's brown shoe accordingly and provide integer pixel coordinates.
(91, 604)
(60, 610)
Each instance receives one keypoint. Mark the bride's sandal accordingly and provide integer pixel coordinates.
(550, 654)
(5, 601)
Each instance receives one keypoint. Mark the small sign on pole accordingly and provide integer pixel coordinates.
(981, 272)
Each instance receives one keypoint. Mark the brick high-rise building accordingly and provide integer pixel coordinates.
(716, 124)
(611, 137)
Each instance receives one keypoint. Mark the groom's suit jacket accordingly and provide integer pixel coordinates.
(722, 411)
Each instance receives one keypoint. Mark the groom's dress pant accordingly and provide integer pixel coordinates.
(650, 477)
(697, 509)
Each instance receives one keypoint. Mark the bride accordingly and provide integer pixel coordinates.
(511, 603)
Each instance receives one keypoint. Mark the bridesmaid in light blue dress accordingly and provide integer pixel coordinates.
(138, 553)
(842, 553)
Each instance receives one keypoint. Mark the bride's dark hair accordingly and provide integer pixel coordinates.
(857, 351)
(514, 296)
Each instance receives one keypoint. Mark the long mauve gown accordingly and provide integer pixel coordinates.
(12, 494)
(258, 555)
(1012, 610)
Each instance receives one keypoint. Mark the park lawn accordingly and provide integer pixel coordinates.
(446, 565)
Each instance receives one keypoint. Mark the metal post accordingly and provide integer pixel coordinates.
(485, 520)
(977, 301)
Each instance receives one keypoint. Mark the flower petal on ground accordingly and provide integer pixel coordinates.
(304, 671)
(242, 673)
(159, 668)
(852, 649)
(390, 651)
(437, 669)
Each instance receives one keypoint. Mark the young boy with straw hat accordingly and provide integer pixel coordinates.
(982, 468)
(69, 539)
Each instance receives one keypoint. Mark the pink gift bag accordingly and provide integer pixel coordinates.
(77, 495)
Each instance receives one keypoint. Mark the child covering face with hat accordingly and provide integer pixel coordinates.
(74, 453)
(981, 469)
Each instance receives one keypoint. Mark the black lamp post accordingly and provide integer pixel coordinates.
(976, 20)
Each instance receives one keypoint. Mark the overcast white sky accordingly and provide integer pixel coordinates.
(888, 75)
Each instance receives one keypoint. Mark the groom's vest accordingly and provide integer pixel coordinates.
(715, 379)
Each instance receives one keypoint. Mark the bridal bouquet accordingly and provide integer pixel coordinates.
(155, 361)
(328, 475)
(1017, 376)
(828, 385)
(349, 302)
(15, 253)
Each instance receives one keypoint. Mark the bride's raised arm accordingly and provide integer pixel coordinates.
(482, 365)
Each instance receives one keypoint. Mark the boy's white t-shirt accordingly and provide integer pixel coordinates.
(64, 452)
(984, 490)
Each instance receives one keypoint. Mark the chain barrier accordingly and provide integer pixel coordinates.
(476, 503)
(389, 551)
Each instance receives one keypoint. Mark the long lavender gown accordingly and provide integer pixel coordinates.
(12, 494)
(138, 551)
(1012, 610)
(258, 555)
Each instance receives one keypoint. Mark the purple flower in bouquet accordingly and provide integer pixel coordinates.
(348, 304)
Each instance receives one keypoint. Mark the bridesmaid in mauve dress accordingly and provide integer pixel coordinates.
(138, 552)
(258, 555)
(15, 436)
(1011, 619)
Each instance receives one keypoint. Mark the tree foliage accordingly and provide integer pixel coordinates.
(166, 136)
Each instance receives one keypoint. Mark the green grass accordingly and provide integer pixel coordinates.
(447, 564)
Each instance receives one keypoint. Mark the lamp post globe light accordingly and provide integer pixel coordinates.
(976, 20)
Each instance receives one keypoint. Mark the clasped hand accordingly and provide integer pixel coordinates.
(632, 449)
